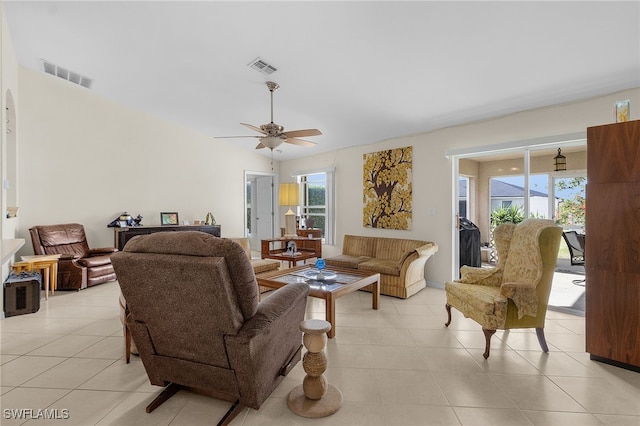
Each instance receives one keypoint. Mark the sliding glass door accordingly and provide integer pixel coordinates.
(514, 178)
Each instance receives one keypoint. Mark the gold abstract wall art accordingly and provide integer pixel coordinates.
(388, 182)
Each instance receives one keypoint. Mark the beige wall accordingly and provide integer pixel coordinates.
(8, 138)
(86, 159)
(8, 133)
(432, 171)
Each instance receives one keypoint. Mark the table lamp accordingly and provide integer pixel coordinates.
(289, 196)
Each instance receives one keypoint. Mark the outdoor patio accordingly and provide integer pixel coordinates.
(565, 295)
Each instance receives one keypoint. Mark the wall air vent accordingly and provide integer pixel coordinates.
(65, 74)
(262, 66)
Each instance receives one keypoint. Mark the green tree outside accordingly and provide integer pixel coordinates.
(512, 214)
(572, 211)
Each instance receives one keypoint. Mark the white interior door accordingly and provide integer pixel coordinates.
(264, 208)
(259, 207)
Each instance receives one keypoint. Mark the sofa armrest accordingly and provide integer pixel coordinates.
(280, 302)
(524, 296)
(412, 266)
(68, 257)
(102, 250)
(94, 261)
(70, 272)
(267, 342)
(481, 276)
(426, 250)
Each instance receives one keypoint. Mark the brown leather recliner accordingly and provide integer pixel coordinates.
(194, 315)
(79, 266)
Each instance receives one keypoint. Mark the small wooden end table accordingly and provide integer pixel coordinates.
(276, 248)
(48, 263)
(293, 259)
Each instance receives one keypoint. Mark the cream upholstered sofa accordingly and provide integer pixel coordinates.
(399, 261)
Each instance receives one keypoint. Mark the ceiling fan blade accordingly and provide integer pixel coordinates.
(252, 127)
(302, 133)
(231, 137)
(300, 142)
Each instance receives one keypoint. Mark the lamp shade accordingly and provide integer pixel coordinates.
(288, 194)
(271, 142)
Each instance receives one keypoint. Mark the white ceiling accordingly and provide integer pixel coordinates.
(360, 71)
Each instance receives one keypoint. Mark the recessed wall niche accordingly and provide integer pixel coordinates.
(10, 178)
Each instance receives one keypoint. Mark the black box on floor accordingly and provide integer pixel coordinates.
(22, 293)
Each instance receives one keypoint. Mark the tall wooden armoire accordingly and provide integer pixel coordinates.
(613, 244)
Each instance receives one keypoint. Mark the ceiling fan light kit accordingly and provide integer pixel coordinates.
(270, 142)
(272, 86)
(273, 135)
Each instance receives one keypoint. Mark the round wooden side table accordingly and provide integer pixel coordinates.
(315, 398)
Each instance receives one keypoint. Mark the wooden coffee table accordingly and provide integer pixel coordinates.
(345, 282)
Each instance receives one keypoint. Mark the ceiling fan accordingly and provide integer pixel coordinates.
(272, 134)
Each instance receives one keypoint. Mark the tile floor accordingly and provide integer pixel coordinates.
(565, 295)
(395, 366)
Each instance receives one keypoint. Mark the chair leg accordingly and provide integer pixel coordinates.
(542, 340)
(487, 337)
(127, 344)
(579, 282)
(233, 412)
(166, 393)
(448, 307)
(173, 388)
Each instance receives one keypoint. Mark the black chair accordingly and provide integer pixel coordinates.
(576, 250)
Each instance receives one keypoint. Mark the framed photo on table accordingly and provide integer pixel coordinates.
(169, 218)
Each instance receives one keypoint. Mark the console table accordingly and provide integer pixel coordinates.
(122, 235)
(315, 233)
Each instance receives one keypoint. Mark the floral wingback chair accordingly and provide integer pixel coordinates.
(514, 293)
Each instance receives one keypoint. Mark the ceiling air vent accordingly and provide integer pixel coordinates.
(262, 66)
(65, 74)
